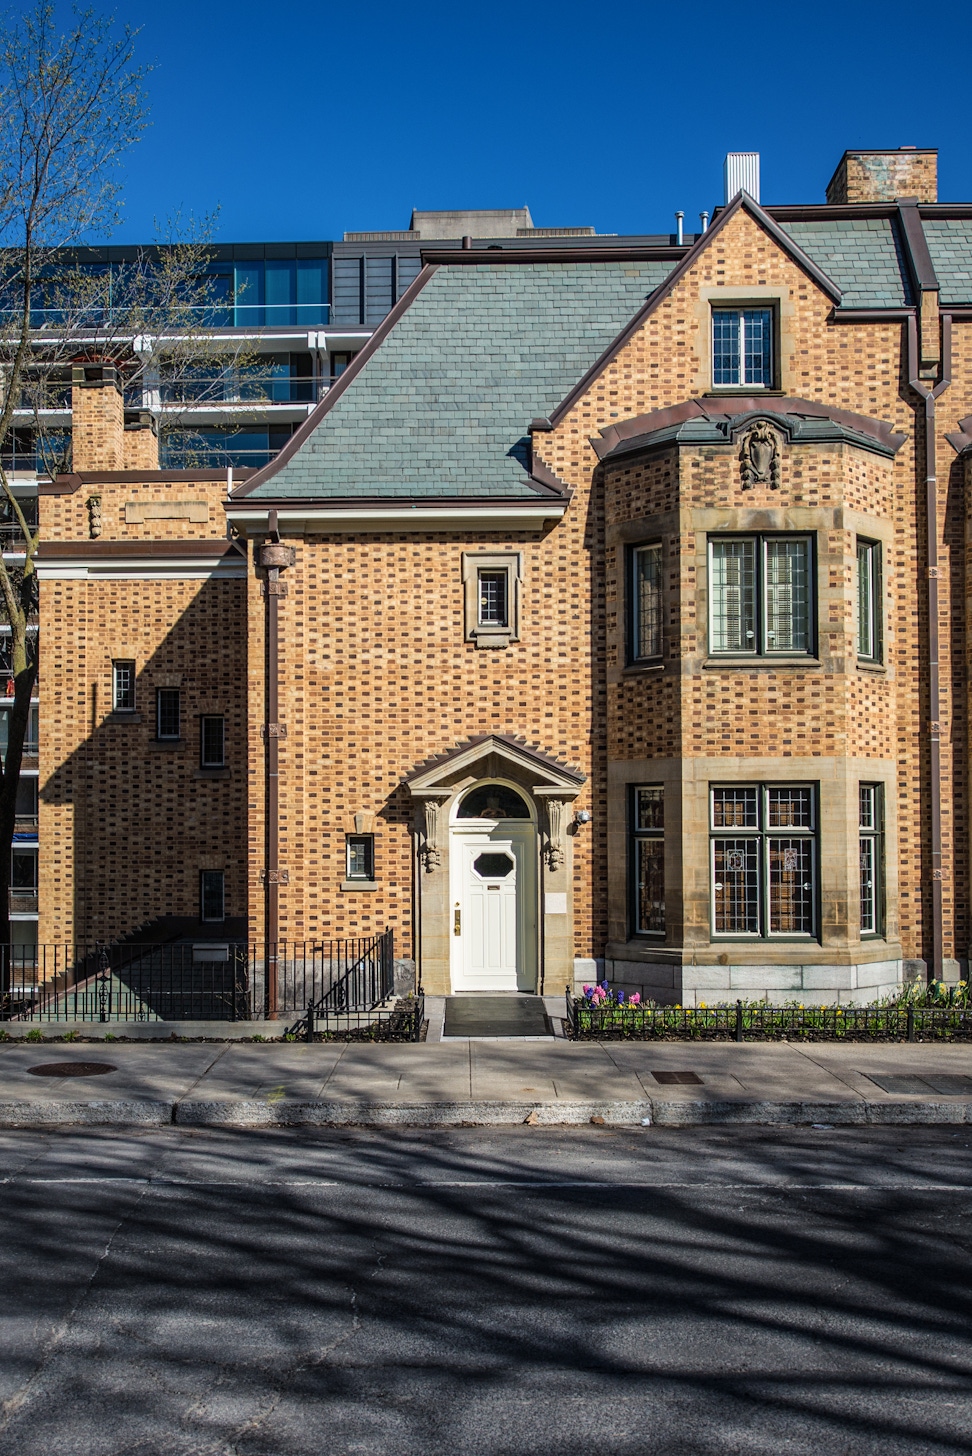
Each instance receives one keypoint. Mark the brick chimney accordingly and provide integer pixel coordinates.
(98, 418)
(141, 443)
(885, 176)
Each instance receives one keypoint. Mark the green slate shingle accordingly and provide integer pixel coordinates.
(950, 244)
(442, 407)
(861, 255)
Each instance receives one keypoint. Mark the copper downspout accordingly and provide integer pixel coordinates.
(273, 557)
(930, 396)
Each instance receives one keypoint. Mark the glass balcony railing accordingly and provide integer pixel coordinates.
(257, 389)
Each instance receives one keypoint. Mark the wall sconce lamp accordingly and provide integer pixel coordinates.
(583, 816)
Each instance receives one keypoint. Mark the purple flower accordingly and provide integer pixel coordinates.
(620, 998)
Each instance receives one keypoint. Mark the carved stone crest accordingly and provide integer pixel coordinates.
(760, 457)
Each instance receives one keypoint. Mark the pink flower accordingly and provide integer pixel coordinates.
(635, 998)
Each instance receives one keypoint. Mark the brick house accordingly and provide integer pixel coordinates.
(610, 608)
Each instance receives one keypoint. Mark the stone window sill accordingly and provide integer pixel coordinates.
(170, 745)
(212, 773)
(877, 667)
(762, 664)
(359, 884)
(636, 669)
(122, 716)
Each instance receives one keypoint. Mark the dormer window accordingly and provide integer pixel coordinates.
(742, 348)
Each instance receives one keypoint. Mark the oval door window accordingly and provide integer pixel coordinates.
(493, 866)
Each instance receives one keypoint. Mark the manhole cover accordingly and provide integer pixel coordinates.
(678, 1079)
(71, 1069)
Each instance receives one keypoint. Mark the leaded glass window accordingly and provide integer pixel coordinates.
(648, 859)
(646, 602)
(763, 880)
(871, 858)
(761, 595)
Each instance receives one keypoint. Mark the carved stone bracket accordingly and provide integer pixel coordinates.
(759, 458)
(555, 802)
(430, 810)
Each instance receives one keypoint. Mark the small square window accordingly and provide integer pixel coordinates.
(742, 347)
(212, 742)
(212, 895)
(123, 687)
(361, 857)
(167, 713)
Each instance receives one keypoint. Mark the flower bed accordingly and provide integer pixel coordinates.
(934, 1012)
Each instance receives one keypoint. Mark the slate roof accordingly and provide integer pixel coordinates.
(950, 244)
(442, 407)
(861, 255)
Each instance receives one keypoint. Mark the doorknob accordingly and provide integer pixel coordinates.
(457, 921)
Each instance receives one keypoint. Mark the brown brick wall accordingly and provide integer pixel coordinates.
(127, 824)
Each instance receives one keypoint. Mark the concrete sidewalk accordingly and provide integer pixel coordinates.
(488, 1082)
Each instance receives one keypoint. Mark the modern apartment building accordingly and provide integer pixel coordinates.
(609, 609)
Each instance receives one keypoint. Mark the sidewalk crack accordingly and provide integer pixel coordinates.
(193, 1085)
(826, 1068)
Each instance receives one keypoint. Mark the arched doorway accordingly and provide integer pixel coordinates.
(493, 858)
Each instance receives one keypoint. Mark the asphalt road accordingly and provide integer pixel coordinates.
(486, 1293)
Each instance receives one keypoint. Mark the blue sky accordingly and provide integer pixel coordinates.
(303, 120)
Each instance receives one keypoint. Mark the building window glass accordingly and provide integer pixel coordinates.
(212, 742)
(494, 597)
(761, 595)
(167, 713)
(764, 870)
(123, 687)
(871, 858)
(212, 895)
(868, 601)
(31, 736)
(646, 602)
(23, 873)
(742, 346)
(361, 857)
(648, 859)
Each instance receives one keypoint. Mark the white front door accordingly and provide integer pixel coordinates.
(493, 914)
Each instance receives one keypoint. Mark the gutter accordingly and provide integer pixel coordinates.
(515, 514)
(930, 397)
(273, 558)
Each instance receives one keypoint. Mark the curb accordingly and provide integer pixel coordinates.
(133, 1112)
(291, 1112)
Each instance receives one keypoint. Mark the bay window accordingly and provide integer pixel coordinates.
(761, 595)
(763, 857)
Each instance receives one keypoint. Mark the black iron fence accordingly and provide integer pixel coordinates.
(755, 1021)
(195, 981)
